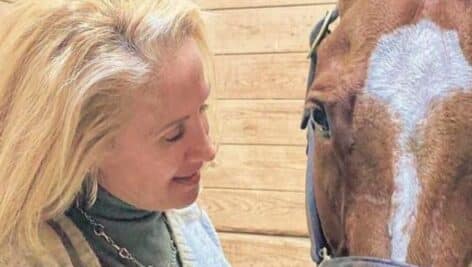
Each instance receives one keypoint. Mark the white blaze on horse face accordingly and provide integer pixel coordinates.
(408, 70)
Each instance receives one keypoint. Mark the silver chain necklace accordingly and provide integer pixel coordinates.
(99, 231)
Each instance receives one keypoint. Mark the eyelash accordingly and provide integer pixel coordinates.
(177, 136)
(181, 133)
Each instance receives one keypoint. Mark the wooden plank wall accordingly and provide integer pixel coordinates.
(254, 191)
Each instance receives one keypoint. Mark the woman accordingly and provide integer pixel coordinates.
(103, 135)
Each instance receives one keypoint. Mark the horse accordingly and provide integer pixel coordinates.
(391, 103)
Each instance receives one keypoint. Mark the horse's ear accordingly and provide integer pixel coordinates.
(344, 5)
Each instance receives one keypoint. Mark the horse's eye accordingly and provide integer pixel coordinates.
(321, 121)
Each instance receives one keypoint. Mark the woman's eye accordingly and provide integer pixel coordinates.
(179, 132)
(175, 135)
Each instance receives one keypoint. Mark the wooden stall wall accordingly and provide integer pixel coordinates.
(254, 191)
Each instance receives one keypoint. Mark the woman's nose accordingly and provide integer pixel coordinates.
(203, 149)
(201, 146)
(208, 150)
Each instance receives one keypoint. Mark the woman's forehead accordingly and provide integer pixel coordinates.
(179, 77)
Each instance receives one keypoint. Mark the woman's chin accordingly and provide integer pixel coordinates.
(186, 190)
(188, 198)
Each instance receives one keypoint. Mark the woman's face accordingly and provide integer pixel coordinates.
(156, 158)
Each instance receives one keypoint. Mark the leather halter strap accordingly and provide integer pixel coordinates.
(319, 246)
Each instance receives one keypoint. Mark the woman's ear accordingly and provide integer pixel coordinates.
(344, 5)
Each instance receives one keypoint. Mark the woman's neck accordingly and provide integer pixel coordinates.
(110, 207)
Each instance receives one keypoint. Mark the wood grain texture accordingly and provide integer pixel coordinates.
(220, 4)
(279, 168)
(275, 122)
(263, 30)
(244, 250)
(264, 212)
(272, 76)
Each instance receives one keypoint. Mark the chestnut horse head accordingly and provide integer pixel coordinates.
(392, 94)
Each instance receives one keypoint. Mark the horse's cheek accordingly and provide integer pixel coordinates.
(329, 197)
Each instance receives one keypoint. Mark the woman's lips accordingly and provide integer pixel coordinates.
(188, 180)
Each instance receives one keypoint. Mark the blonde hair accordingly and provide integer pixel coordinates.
(68, 67)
